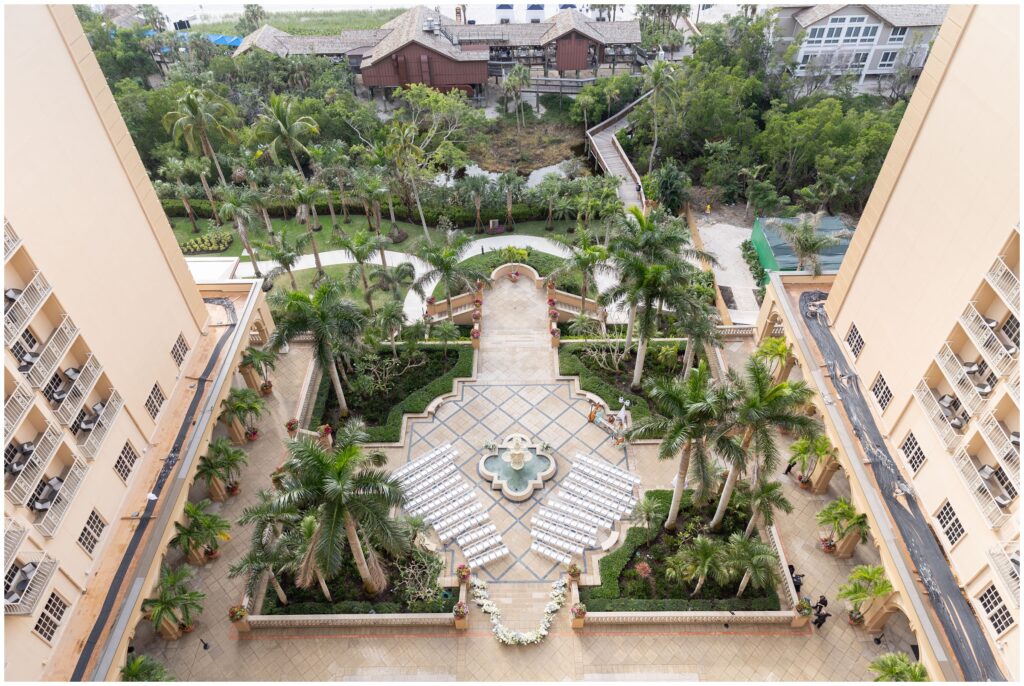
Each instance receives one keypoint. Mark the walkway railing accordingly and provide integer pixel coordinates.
(604, 153)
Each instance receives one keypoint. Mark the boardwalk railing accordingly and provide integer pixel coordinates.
(617, 150)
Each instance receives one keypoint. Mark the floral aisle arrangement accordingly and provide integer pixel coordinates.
(507, 636)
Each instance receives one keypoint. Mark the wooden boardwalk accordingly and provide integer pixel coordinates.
(605, 148)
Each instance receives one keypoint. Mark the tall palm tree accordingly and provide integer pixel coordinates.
(390, 319)
(776, 352)
(247, 170)
(321, 161)
(197, 114)
(221, 465)
(764, 498)
(144, 668)
(808, 451)
(753, 560)
(549, 190)
(270, 559)
(200, 166)
(691, 422)
(658, 77)
(476, 187)
(301, 545)
(361, 245)
(287, 254)
(174, 169)
(175, 603)
(284, 129)
(236, 207)
(805, 240)
(331, 320)
(409, 158)
(306, 197)
(511, 184)
(393, 279)
(897, 667)
(763, 407)
(447, 267)
(586, 258)
(371, 189)
(702, 558)
(351, 498)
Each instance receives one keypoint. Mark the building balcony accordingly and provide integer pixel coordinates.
(14, 535)
(69, 401)
(64, 488)
(11, 240)
(20, 305)
(45, 363)
(989, 497)
(1006, 284)
(946, 421)
(27, 475)
(972, 394)
(16, 406)
(31, 575)
(1000, 441)
(102, 419)
(981, 331)
(1007, 566)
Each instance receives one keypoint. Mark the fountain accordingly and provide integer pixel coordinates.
(516, 467)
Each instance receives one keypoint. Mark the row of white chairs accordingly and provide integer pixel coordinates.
(545, 525)
(490, 543)
(558, 542)
(566, 507)
(596, 503)
(476, 534)
(445, 471)
(551, 553)
(611, 497)
(460, 500)
(603, 477)
(608, 468)
(453, 525)
(437, 491)
(423, 463)
(566, 520)
(487, 557)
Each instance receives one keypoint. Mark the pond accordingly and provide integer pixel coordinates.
(535, 177)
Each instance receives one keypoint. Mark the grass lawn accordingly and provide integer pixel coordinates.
(340, 273)
(307, 22)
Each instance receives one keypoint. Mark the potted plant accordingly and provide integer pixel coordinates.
(578, 611)
(550, 284)
(234, 488)
(855, 617)
(172, 609)
(837, 516)
(475, 333)
(555, 332)
(220, 468)
(803, 481)
(866, 586)
(263, 361)
(553, 314)
(252, 433)
(574, 571)
(460, 612)
(477, 302)
(551, 302)
(479, 284)
(804, 608)
(462, 573)
(242, 408)
(292, 427)
(201, 534)
(476, 315)
(514, 276)
(236, 613)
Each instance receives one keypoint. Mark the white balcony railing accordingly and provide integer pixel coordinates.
(72, 482)
(998, 441)
(994, 514)
(88, 375)
(1006, 284)
(25, 602)
(22, 487)
(995, 353)
(53, 352)
(1008, 572)
(16, 406)
(1013, 384)
(955, 373)
(21, 311)
(931, 407)
(91, 445)
(11, 240)
(14, 534)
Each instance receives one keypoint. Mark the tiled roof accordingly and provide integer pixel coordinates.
(897, 15)
(408, 28)
(541, 33)
(815, 13)
(284, 44)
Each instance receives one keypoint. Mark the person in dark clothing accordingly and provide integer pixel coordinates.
(789, 467)
(819, 619)
(821, 604)
(798, 581)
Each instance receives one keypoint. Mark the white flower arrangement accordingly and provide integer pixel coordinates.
(507, 636)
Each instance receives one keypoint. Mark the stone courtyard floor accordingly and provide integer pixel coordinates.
(517, 389)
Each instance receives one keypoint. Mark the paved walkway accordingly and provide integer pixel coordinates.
(732, 272)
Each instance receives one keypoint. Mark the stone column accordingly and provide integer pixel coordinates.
(878, 612)
(822, 475)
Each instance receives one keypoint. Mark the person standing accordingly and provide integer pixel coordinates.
(821, 604)
(789, 467)
(819, 619)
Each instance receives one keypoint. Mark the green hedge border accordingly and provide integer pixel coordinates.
(364, 607)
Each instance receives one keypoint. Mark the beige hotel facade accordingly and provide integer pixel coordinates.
(115, 360)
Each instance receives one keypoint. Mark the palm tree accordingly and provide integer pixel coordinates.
(447, 267)
(805, 240)
(263, 360)
(287, 254)
(691, 421)
(390, 319)
(865, 585)
(445, 331)
(393, 279)
(549, 190)
(197, 114)
(301, 560)
(511, 184)
(762, 407)
(174, 604)
(702, 558)
(763, 499)
(306, 197)
(754, 560)
(648, 512)
(221, 465)
(777, 353)
(897, 667)
(144, 668)
(476, 187)
(320, 158)
(331, 320)
(657, 76)
(263, 558)
(351, 498)
(808, 451)
(202, 533)
(247, 170)
(284, 130)
(361, 245)
(236, 207)
(586, 258)
(174, 169)
(844, 522)
(409, 158)
(242, 406)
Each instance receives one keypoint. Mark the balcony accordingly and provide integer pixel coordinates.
(94, 437)
(84, 381)
(1007, 566)
(14, 535)
(20, 489)
(16, 406)
(19, 310)
(40, 371)
(1006, 284)
(969, 393)
(998, 356)
(990, 505)
(28, 583)
(999, 441)
(943, 419)
(65, 493)
(11, 241)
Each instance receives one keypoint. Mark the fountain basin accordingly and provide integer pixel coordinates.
(517, 483)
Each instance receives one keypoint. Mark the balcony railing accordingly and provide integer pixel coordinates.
(14, 534)
(999, 442)
(931, 407)
(955, 373)
(44, 567)
(20, 313)
(995, 353)
(16, 406)
(21, 488)
(1008, 572)
(79, 391)
(994, 514)
(91, 445)
(53, 352)
(11, 241)
(72, 482)
(1013, 384)
(1006, 284)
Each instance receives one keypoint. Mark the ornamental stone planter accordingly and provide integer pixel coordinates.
(800, 620)
(241, 625)
(574, 599)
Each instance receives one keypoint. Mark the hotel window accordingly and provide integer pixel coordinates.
(76, 425)
(9, 577)
(10, 453)
(888, 59)
(1011, 329)
(1005, 482)
(859, 60)
(852, 34)
(22, 346)
(815, 36)
(881, 391)
(869, 34)
(126, 461)
(995, 609)
(155, 401)
(52, 385)
(832, 35)
(898, 34)
(854, 340)
(180, 350)
(91, 532)
(49, 618)
(950, 523)
(912, 452)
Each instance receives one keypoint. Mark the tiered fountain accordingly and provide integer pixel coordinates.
(517, 467)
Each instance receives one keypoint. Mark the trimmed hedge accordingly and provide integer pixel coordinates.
(363, 607)
(212, 242)
(681, 605)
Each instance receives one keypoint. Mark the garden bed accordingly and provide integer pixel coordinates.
(541, 262)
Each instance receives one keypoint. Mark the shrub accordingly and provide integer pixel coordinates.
(569, 364)
(753, 261)
(212, 242)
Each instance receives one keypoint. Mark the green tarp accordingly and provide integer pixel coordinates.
(775, 254)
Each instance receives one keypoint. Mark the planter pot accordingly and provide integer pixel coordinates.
(186, 629)
(234, 490)
(292, 433)
(578, 622)
(800, 620)
(241, 625)
(267, 388)
(462, 623)
(251, 435)
(828, 546)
